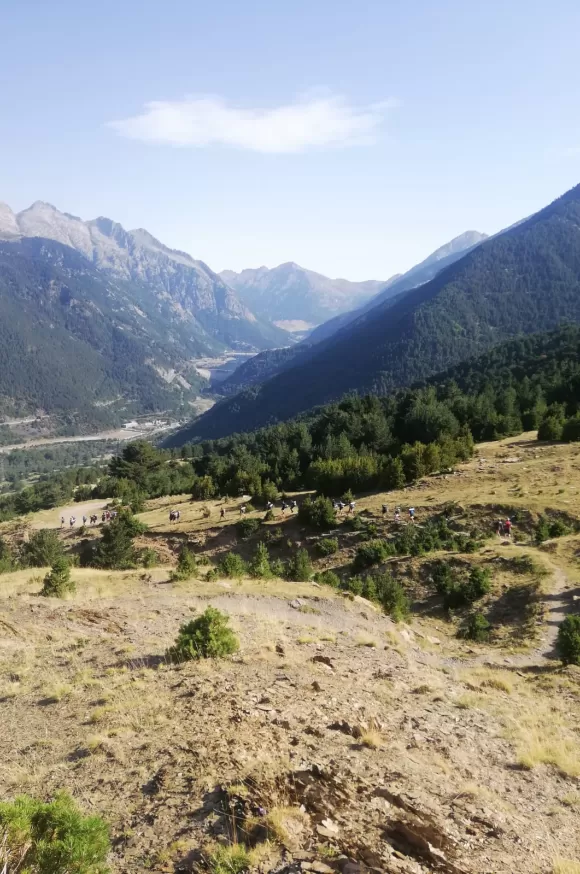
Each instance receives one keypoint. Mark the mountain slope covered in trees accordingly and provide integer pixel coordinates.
(442, 257)
(187, 291)
(76, 342)
(510, 284)
(363, 443)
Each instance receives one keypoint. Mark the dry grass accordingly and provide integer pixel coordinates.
(372, 739)
(565, 866)
(363, 640)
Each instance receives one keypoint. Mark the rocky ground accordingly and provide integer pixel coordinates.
(335, 740)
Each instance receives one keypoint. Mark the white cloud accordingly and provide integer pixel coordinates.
(295, 127)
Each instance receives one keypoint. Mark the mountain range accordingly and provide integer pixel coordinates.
(290, 294)
(187, 291)
(513, 283)
(268, 363)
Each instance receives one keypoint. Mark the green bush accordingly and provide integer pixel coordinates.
(52, 837)
(269, 517)
(392, 597)
(476, 628)
(259, 566)
(327, 546)
(278, 568)
(354, 585)
(571, 429)
(186, 565)
(233, 565)
(457, 591)
(327, 578)
(209, 637)
(299, 568)
(148, 558)
(318, 513)
(547, 528)
(246, 527)
(6, 559)
(369, 590)
(373, 552)
(478, 583)
(57, 582)
(115, 550)
(42, 549)
(569, 640)
(551, 428)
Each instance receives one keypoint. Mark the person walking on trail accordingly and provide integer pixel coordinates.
(411, 514)
(269, 506)
(72, 521)
(62, 521)
(284, 507)
(340, 508)
(499, 528)
(293, 506)
(385, 509)
(351, 506)
(242, 510)
(508, 527)
(222, 513)
(84, 520)
(397, 514)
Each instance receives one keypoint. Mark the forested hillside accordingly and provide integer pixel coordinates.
(369, 442)
(186, 292)
(74, 342)
(527, 277)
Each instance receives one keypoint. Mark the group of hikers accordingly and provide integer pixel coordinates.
(174, 515)
(93, 519)
(504, 527)
(340, 505)
(397, 513)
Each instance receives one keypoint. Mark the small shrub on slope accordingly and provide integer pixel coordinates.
(233, 565)
(207, 637)
(569, 640)
(57, 582)
(259, 566)
(186, 565)
(42, 549)
(52, 837)
(246, 527)
(318, 513)
(328, 546)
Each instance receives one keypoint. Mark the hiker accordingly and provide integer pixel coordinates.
(72, 521)
(242, 510)
(334, 505)
(397, 514)
(104, 517)
(507, 527)
(384, 509)
(341, 507)
(499, 528)
(222, 513)
(293, 506)
(84, 520)
(284, 507)
(351, 506)
(62, 521)
(269, 506)
(411, 514)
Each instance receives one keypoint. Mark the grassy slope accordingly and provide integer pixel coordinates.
(481, 740)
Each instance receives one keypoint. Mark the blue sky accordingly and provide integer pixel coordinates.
(350, 137)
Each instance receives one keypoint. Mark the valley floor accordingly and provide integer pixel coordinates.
(340, 740)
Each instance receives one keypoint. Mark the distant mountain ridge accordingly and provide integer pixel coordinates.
(417, 275)
(187, 290)
(289, 292)
(81, 344)
(524, 278)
